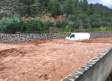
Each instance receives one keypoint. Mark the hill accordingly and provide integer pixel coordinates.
(102, 8)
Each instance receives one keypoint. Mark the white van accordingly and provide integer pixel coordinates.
(78, 36)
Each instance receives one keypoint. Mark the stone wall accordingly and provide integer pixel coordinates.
(18, 38)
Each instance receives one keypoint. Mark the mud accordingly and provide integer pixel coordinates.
(47, 60)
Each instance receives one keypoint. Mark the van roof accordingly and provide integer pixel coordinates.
(79, 33)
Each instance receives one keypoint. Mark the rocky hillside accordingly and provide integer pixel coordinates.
(10, 7)
(102, 8)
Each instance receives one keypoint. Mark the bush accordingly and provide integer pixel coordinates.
(1, 15)
(23, 26)
(62, 23)
(94, 19)
(82, 16)
(58, 23)
(65, 22)
(36, 24)
(75, 24)
(73, 17)
(10, 24)
(94, 24)
(86, 21)
(48, 23)
(68, 29)
(104, 28)
(97, 15)
(104, 23)
(109, 19)
(86, 25)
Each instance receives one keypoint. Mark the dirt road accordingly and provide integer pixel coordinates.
(50, 60)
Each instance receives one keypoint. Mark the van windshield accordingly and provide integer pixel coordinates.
(71, 35)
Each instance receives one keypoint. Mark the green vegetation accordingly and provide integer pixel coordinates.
(80, 15)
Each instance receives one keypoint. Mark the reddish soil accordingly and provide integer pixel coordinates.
(47, 60)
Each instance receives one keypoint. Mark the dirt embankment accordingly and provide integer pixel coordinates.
(47, 60)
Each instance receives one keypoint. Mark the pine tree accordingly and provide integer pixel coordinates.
(85, 5)
(91, 9)
(53, 11)
(80, 4)
(27, 3)
(69, 6)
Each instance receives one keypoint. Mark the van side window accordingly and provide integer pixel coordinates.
(72, 36)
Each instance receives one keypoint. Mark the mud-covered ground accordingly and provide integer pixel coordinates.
(47, 60)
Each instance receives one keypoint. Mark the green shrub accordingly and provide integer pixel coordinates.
(75, 24)
(104, 28)
(58, 23)
(23, 26)
(94, 19)
(86, 21)
(94, 24)
(86, 25)
(109, 19)
(104, 23)
(82, 16)
(97, 15)
(48, 23)
(65, 22)
(68, 29)
(10, 24)
(72, 17)
(1, 15)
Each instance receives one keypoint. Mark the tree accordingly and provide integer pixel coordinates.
(10, 24)
(85, 5)
(44, 2)
(69, 6)
(80, 4)
(27, 3)
(106, 14)
(53, 11)
(91, 9)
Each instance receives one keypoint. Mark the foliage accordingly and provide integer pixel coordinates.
(94, 19)
(68, 8)
(85, 5)
(104, 23)
(62, 23)
(97, 15)
(82, 16)
(94, 24)
(85, 23)
(27, 4)
(48, 23)
(53, 11)
(73, 17)
(58, 23)
(68, 28)
(23, 26)
(1, 15)
(10, 24)
(65, 22)
(104, 28)
(106, 14)
(75, 24)
(91, 9)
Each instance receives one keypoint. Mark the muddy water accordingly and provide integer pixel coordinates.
(47, 60)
